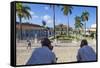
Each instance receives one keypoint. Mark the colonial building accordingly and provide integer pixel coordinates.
(62, 29)
(91, 30)
(31, 31)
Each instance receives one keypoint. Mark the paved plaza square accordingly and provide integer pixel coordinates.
(65, 52)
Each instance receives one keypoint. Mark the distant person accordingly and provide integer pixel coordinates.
(29, 44)
(86, 53)
(43, 55)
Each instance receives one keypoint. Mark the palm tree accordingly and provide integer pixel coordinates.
(22, 11)
(78, 24)
(85, 16)
(53, 9)
(66, 11)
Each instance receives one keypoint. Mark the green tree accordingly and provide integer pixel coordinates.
(61, 26)
(22, 11)
(45, 28)
(44, 23)
(67, 10)
(85, 17)
(78, 24)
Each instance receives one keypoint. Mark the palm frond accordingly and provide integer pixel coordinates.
(85, 16)
(67, 10)
(23, 11)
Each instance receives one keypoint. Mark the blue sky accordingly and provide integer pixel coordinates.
(41, 12)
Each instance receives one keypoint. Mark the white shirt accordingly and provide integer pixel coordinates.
(86, 53)
(42, 55)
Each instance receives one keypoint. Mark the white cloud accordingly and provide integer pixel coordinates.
(35, 16)
(48, 19)
(31, 12)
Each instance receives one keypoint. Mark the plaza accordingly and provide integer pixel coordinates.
(65, 52)
(63, 25)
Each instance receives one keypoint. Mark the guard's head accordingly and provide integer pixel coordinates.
(46, 42)
(84, 43)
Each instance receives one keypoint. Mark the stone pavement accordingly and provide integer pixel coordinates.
(65, 52)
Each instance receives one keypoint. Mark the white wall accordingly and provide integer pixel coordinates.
(5, 33)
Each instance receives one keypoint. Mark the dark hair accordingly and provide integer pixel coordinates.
(84, 43)
(45, 42)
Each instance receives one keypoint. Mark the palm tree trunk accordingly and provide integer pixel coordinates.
(20, 27)
(85, 28)
(76, 33)
(68, 27)
(54, 19)
(61, 30)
